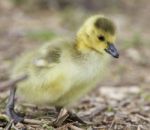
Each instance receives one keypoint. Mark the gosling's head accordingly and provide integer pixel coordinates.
(98, 34)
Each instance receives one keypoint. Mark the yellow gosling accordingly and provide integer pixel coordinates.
(63, 70)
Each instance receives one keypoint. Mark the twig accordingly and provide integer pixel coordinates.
(63, 115)
(93, 112)
(112, 123)
(8, 127)
(26, 121)
(32, 121)
(14, 127)
(143, 118)
(7, 84)
(74, 127)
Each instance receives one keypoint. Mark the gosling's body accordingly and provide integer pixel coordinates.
(62, 71)
(58, 73)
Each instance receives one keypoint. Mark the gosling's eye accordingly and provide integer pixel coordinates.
(101, 38)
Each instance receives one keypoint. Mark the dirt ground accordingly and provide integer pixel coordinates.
(121, 101)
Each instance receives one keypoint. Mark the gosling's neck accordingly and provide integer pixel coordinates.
(81, 53)
(81, 47)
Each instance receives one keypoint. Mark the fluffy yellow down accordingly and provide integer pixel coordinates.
(63, 70)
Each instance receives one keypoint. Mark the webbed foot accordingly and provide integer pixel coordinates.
(13, 115)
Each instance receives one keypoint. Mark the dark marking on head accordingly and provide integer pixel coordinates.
(106, 25)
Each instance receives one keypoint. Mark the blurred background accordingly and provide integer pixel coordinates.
(26, 24)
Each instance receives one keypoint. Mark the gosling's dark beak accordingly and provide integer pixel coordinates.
(112, 50)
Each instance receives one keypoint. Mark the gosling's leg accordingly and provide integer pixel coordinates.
(10, 107)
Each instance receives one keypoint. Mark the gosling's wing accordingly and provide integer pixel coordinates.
(48, 56)
(41, 60)
(50, 53)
